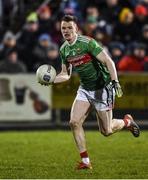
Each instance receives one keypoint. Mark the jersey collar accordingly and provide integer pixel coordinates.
(73, 42)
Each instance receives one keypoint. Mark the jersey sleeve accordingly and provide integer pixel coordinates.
(94, 48)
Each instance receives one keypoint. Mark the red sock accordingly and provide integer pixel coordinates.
(84, 157)
(84, 154)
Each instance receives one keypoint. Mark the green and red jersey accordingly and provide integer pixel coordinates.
(82, 55)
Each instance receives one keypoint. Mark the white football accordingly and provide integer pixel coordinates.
(46, 74)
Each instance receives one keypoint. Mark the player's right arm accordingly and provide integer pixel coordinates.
(64, 75)
(66, 71)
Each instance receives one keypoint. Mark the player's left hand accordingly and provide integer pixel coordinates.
(117, 88)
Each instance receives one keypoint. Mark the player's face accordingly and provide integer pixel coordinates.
(69, 30)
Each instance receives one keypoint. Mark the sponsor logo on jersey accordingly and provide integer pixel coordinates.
(78, 60)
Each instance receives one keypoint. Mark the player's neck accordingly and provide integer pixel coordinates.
(72, 41)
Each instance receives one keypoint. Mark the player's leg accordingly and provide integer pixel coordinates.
(109, 126)
(117, 124)
(79, 112)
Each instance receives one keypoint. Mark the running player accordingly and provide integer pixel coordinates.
(98, 86)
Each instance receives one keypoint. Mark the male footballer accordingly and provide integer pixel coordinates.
(98, 86)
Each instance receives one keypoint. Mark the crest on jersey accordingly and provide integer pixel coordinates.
(78, 50)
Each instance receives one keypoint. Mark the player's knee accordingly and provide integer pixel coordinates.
(74, 123)
(106, 133)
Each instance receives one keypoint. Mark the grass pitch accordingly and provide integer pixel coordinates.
(53, 154)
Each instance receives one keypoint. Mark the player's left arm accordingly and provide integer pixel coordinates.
(97, 51)
(104, 58)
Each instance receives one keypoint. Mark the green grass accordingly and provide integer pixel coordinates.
(53, 154)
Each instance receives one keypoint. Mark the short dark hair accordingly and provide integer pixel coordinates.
(68, 18)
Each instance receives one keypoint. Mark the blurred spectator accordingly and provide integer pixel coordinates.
(10, 8)
(141, 11)
(92, 11)
(94, 22)
(56, 34)
(9, 42)
(141, 14)
(45, 52)
(146, 64)
(111, 10)
(133, 3)
(117, 50)
(103, 33)
(90, 26)
(11, 63)
(126, 29)
(144, 37)
(45, 20)
(144, 2)
(28, 39)
(135, 60)
(108, 21)
(71, 7)
(53, 57)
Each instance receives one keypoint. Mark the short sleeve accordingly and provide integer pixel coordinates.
(94, 48)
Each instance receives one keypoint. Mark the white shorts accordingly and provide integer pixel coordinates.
(101, 99)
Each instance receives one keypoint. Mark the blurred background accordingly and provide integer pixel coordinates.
(30, 36)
